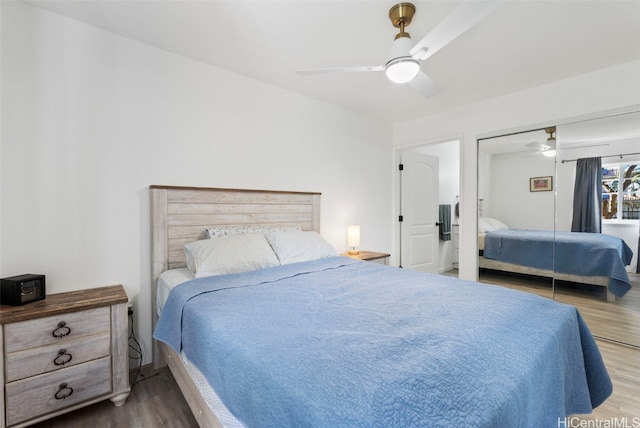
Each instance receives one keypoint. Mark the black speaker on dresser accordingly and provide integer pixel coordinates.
(21, 289)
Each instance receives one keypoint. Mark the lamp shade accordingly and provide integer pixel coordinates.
(353, 236)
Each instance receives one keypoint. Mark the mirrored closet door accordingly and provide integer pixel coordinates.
(515, 191)
(605, 151)
(526, 203)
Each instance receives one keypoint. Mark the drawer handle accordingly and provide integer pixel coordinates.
(62, 358)
(62, 330)
(63, 391)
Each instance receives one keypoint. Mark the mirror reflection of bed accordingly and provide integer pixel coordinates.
(508, 200)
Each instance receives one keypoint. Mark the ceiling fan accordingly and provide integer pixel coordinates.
(548, 148)
(403, 64)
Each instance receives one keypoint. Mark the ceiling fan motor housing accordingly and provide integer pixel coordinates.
(401, 15)
(400, 49)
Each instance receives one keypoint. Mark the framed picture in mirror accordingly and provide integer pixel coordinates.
(541, 184)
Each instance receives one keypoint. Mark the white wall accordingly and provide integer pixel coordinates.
(510, 200)
(606, 89)
(91, 119)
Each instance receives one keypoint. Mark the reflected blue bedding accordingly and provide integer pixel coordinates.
(339, 342)
(587, 254)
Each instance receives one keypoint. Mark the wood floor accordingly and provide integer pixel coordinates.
(623, 365)
(157, 402)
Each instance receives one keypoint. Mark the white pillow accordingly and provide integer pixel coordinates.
(219, 231)
(495, 224)
(229, 254)
(483, 226)
(293, 247)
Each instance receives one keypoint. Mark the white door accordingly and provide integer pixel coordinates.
(419, 233)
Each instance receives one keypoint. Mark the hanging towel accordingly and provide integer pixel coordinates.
(445, 222)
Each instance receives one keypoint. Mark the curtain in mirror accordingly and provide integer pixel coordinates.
(587, 197)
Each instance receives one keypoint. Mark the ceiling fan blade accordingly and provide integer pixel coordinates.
(331, 70)
(534, 145)
(425, 85)
(465, 16)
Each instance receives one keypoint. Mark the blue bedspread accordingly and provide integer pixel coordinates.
(342, 343)
(576, 253)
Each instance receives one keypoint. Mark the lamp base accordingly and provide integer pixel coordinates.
(354, 252)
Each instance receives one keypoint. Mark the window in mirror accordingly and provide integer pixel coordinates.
(620, 202)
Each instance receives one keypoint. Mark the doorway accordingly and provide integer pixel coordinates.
(447, 182)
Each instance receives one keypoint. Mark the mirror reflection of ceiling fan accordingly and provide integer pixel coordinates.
(548, 147)
(403, 65)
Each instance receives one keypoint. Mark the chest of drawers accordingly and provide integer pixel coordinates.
(62, 353)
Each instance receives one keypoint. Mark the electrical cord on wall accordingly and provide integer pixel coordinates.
(135, 353)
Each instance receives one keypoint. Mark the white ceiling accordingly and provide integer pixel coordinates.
(521, 45)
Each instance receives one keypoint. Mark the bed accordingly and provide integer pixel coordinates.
(587, 258)
(427, 351)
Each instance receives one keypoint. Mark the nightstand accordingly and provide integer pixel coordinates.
(370, 256)
(62, 353)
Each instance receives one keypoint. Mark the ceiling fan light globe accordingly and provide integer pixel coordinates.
(402, 70)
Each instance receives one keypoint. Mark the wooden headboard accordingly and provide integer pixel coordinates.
(180, 215)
